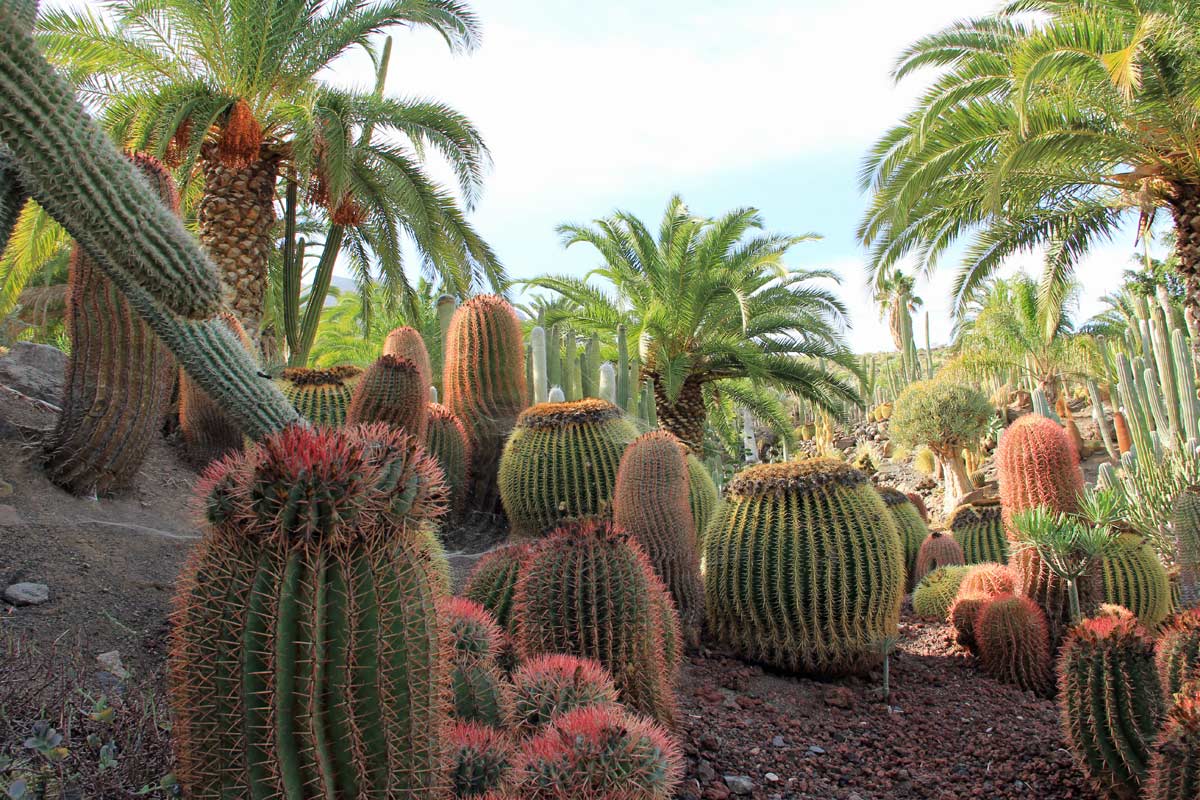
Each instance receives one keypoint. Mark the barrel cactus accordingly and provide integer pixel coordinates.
(963, 614)
(598, 752)
(392, 390)
(1185, 526)
(651, 504)
(480, 759)
(306, 612)
(119, 374)
(561, 463)
(407, 342)
(549, 686)
(493, 582)
(979, 531)
(989, 580)
(446, 440)
(702, 495)
(321, 396)
(1175, 761)
(909, 525)
(1136, 579)
(484, 383)
(804, 568)
(474, 633)
(208, 432)
(1177, 652)
(1014, 642)
(938, 550)
(588, 590)
(936, 592)
(1110, 700)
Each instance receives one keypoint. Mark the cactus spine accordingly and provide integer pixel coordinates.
(1014, 642)
(910, 527)
(1177, 653)
(938, 550)
(118, 377)
(306, 646)
(394, 390)
(561, 463)
(1110, 701)
(484, 385)
(446, 440)
(703, 496)
(804, 567)
(1136, 579)
(978, 528)
(208, 431)
(321, 396)
(1185, 526)
(651, 503)
(1175, 762)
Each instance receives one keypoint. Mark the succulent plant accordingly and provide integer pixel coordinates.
(493, 582)
(979, 531)
(989, 580)
(1014, 642)
(804, 568)
(1185, 526)
(1177, 652)
(546, 687)
(909, 525)
(480, 759)
(1110, 700)
(407, 342)
(208, 431)
(963, 614)
(702, 495)
(936, 592)
(321, 396)
(446, 440)
(1136, 579)
(474, 633)
(938, 550)
(392, 390)
(1175, 761)
(561, 463)
(481, 693)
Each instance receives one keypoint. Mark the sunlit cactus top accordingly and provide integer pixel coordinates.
(892, 497)
(553, 415)
(474, 633)
(1113, 624)
(794, 476)
(407, 342)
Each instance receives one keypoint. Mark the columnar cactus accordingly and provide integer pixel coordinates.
(561, 463)
(979, 531)
(1136, 579)
(306, 647)
(549, 686)
(1177, 653)
(321, 396)
(446, 440)
(1014, 642)
(588, 591)
(1175, 762)
(936, 592)
(484, 384)
(208, 431)
(118, 379)
(1110, 700)
(407, 342)
(493, 582)
(938, 550)
(1185, 525)
(598, 752)
(480, 759)
(804, 568)
(702, 495)
(910, 527)
(651, 503)
(392, 390)
(963, 614)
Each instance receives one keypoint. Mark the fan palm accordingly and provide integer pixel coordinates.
(231, 92)
(1045, 130)
(714, 311)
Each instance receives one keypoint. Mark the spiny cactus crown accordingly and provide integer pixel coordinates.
(329, 376)
(892, 497)
(474, 634)
(553, 415)
(799, 476)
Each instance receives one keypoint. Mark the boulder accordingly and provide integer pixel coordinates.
(34, 370)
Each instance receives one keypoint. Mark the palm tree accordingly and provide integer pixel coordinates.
(232, 93)
(1045, 130)
(896, 301)
(714, 311)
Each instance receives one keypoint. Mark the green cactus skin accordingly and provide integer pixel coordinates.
(307, 655)
(910, 527)
(1185, 525)
(1136, 579)
(407, 342)
(1110, 701)
(963, 614)
(480, 693)
(561, 463)
(936, 592)
(480, 759)
(804, 568)
(395, 391)
(118, 380)
(1177, 653)
(549, 686)
(979, 530)
(703, 496)
(474, 633)
(321, 396)
(484, 385)
(588, 590)
(13, 196)
(938, 550)
(597, 753)
(651, 503)
(493, 582)
(208, 432)
(1014, 642)
(446, 440)
(1175, 762)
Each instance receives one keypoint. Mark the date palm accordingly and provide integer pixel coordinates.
(1050, 130)
(714, 310)
(233, 94)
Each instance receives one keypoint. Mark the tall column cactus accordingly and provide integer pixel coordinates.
(118, 377)
(484, 385)
(394, 390)
(307, 657)
(804, 568)
(1185, 526)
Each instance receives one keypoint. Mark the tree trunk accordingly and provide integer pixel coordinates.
(686, 416)
(1185, 208)
(955, 482)
(236, 214)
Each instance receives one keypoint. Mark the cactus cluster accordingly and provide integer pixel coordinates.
(481, 694)
(1136, 579)
(1185, 526)
(804, 568)
(547, 686)
(979, 530)
(910, 527)
(1110, 700)
(321, 396)
(446, 440)
(1175, 760)
(307, 613)
(936, 592)
(1014, 642)
(1177, 652)
(938, 550)
(561, 463)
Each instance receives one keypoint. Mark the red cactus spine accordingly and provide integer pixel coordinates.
(480, 759)
(395, 391)
(118, 380)
(407, 342)
(938, 550)
(1175, 763)
(446, 439)
(1177, 653)
(549, 686)
(1014, 642)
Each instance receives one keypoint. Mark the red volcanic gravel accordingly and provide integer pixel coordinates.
(948, 731)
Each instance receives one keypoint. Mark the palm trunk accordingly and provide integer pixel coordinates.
(1185, 208)
(236, 215)
(685, 417)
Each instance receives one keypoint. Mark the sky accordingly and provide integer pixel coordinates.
(588, 108)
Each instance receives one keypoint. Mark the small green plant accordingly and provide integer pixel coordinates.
(1068, 545)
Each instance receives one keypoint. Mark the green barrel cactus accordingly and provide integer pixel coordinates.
(978, 527)
(307, 656)
(392, 390)
(561, 463)
(1175, 761)
(1013, 638)
(589, 591)
(550, 686)
(702, 495)
(909, 525)
(321, 396)
(1136, 579)
(208, 431)
(118, 379)
(804, 568)
(1110, 701)
(493, 582)
(1185, 526)
(480, 759)
(1177, 652)
(446, 440)
(936, 592)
